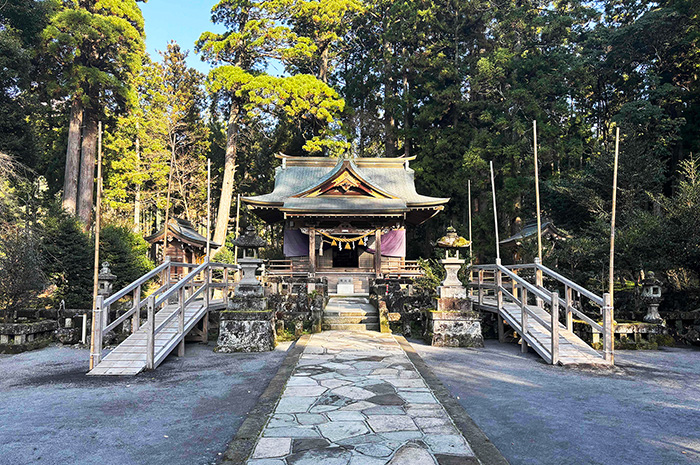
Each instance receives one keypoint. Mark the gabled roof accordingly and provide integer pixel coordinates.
(360, 186)
(184, 231)
(530, 230)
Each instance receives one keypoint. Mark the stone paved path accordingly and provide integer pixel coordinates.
(355, 398)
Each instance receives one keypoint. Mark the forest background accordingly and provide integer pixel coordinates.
(454, 83)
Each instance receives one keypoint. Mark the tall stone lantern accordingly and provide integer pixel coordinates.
(105, 280)
(249, 242)
(247, 324)
(451, 287)
(651, 295)
(453, 323)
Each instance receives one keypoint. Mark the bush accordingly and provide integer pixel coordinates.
(126, 252)
(433, 274)
(21, 277)
(68, 254)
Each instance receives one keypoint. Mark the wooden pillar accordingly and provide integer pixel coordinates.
(608, 329)
(136, 319)
(150, 333)
(378, 253)
(523, 318)
(481, 287)
(181, 321)
(312, 252)
(499, 301)
(555, 328)
(569, 314)
(539, 280)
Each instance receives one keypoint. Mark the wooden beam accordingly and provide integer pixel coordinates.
(378, 253)
(312, 252)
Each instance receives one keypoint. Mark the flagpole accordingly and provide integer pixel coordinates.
(208, 207)
(495, 216)
(537, 194)
(96, 265)
(611, 277)
(471, 254)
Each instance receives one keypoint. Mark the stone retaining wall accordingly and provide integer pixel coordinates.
(20, 337)
(297, 300)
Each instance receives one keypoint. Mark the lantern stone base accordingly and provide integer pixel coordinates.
(247, 325)
(454, 328)
(246, 331)
(652, 315)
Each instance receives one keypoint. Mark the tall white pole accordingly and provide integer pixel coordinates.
(612, 220)
(537, 195)
(96, 265)
(208, 207)
(495, 216)
(471, 254)
(238, 219)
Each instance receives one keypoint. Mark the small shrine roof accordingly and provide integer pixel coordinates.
(184, 231)
(530, 230)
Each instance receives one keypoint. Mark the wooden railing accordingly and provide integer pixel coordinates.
(513, 283)
(195, 283)
(406, 268)
(293, 268)
(286, 267)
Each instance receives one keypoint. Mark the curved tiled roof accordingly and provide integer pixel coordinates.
(300, 175)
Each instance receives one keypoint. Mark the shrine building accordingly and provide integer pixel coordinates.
(345, 219)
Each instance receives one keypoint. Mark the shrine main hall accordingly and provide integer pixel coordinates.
(345, 219)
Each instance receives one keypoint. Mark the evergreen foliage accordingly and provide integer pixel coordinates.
(127, 254)
(69, 257)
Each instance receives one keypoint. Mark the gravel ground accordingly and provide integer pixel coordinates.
(646, 410)
(185, 412)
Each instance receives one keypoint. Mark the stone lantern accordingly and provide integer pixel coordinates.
(453, 323)
(105, 280)
(452, 287)
(651, 295)
(247, 324)
(249, 242)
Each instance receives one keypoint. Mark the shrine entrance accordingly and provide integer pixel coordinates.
(346, 258)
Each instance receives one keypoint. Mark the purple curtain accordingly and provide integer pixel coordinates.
(393, 243)
(296, 243)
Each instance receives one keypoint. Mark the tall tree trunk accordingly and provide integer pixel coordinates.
(70, 182)
(323, 71)
(87, 169)
(224, 211)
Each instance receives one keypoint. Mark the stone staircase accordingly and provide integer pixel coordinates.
(350, 314)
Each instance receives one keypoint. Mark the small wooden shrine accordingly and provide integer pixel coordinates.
(516, 242)
(344, 218)
(185, 244)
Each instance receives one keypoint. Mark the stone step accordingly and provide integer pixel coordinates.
(361, 319)
(351, 327)
(336, 313)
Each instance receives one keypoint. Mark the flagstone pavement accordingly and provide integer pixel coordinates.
(355, 398)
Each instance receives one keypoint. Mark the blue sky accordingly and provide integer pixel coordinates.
(179, 20)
